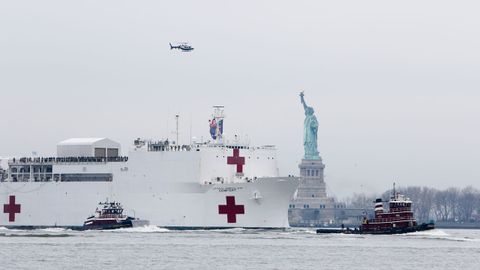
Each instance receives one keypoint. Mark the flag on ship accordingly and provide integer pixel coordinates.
(220, 126)
(213, 129)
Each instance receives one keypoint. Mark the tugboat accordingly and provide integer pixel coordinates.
(399, 219)
(109, 215)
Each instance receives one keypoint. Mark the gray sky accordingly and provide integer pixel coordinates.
(395, 84)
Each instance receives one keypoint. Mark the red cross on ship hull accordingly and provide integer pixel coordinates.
(231, 209)
(236, 159)
(11, 209)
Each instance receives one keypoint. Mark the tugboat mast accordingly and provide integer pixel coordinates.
(394, 193)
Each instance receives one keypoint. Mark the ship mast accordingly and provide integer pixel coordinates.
(394, 195)
(176, 131)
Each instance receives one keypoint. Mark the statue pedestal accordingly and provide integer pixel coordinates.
(311, 206)
(312, 185)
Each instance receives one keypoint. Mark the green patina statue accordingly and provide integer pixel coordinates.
(310, 129)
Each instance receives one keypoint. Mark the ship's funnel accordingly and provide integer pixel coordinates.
(378, 206)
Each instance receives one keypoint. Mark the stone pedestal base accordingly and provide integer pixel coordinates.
(312, 184)
(311, 206)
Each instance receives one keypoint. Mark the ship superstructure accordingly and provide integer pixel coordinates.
(207, 184)
(399, 215)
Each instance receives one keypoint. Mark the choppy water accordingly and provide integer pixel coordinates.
(157, 248)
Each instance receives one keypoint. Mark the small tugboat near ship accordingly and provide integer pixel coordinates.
(399, 219)
(109, 216)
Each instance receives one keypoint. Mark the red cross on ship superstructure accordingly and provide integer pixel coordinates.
(236, 159)
(231, 209)
(11, 209)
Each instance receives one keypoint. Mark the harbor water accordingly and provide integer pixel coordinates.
(158, 248)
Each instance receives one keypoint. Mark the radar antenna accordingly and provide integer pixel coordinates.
(176, 131)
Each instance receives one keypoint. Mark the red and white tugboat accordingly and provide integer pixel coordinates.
(109, 215)
(399, 219)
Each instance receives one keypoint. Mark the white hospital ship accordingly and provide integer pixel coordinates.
(211, 184)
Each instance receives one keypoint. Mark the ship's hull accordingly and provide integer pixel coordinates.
(107, 224)
(259, 204)
(390, 230)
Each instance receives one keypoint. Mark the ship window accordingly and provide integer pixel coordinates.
(87, 177)
(112, 152)
(100, 152)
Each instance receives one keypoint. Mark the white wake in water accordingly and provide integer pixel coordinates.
(301, 231)
(229, 230)
(437, 234)
(143, 229)
(433, 233)
(53, 230)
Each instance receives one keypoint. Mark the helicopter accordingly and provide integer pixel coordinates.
(183, 46)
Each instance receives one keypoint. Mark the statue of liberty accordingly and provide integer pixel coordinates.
(310, 129)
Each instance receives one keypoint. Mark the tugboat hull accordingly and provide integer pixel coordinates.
(417, 228)
(398, 219)
(107, 224)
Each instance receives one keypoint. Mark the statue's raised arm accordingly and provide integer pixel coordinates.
(302, 99)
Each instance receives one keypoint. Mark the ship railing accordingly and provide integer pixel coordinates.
(400, 209)
(155, 147)
(112, 216)
(62, 160)
(239, 146)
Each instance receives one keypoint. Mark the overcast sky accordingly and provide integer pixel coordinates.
(395, 84)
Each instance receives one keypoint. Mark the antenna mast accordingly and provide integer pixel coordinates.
(394, 193)
(176, 119)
